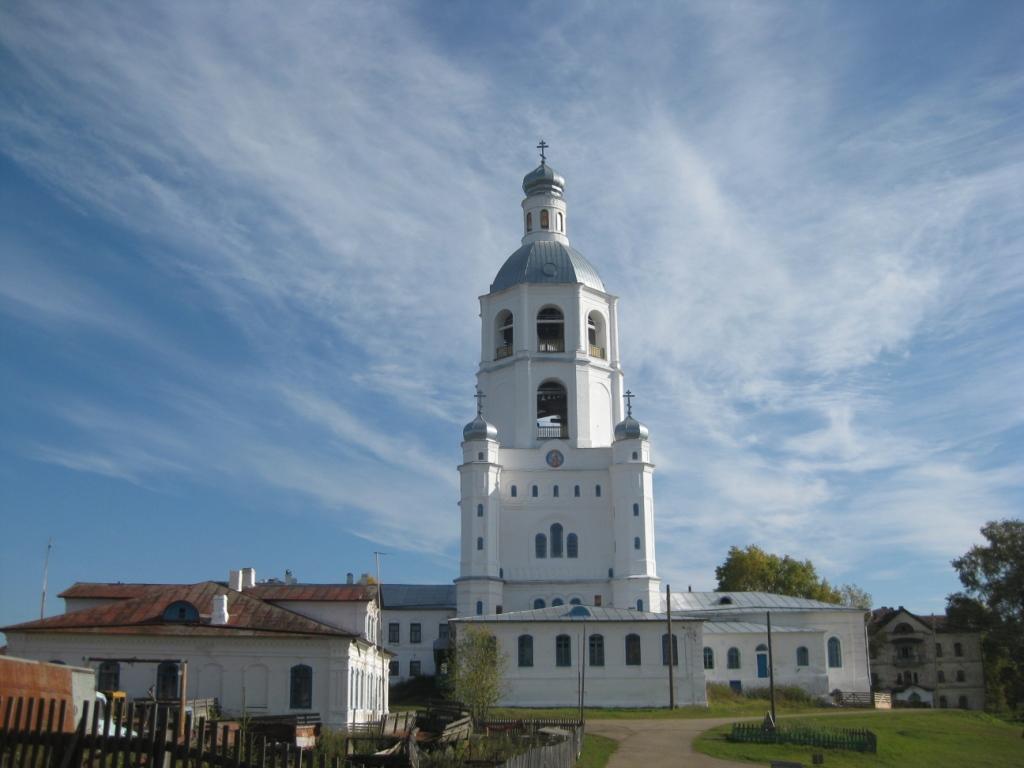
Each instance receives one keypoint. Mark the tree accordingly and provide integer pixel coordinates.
(992, 602)
(853, 596)
(477, 670)
(754, 570)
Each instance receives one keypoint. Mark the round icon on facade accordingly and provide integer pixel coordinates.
(555, 459)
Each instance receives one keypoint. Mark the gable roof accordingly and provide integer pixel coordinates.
(339, 593)
(139, 610)
(397, 596)
(882, 617)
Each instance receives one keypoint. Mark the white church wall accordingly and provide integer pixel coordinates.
(812, 677)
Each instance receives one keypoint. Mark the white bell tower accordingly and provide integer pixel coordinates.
(557, 501)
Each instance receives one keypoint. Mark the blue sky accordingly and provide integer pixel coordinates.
(242, 243)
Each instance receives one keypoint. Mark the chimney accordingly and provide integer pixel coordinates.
(289, 577)
(364, 579)
(235, 580)
(349, 578)
(248, 578)
(219, 616)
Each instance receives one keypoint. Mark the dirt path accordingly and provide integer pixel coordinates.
(660, 743)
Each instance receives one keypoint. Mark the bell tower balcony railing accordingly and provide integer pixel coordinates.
(556, 432)
(596, 351)
(555, 345)
(503, 351)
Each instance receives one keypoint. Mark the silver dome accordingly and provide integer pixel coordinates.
(630, 429)
(543, 178)
(546, 261)
(479, 429)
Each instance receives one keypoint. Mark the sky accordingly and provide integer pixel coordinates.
(242, 244)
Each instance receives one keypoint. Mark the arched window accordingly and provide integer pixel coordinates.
(479, 510)
(732, 658)
(636, 510)
(709, 658)
(479, 607)
(575, 601)
(167, 680)
(181, 611)
(534, 491)
(596, 645)
(636, 542)
(538, 602)
(803, 656)
(664, 650)
(572, 546)
(557, 601)
(550, 330)
(576, 491)
(563, 651)
(108, 676)
(505, 335)
(725, 600)
(479, 542)
(302, 687)
(529, 221)
(595, 335)
(639, 604)
(554, 491)
(560, 221)
(545, 219)
(835, 652)
(513, 491)
(526, 650)
(942, 676)
(540, 545)
(761, 656)
(632, 650)
(556, 540)
(958, 649)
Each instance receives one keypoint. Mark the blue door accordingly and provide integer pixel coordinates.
(762, 665)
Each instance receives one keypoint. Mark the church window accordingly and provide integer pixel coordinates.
(393, 632)
(639, 604)
(550, 330)
(575, 601)
(576, 491)
(534, 491)
(552, 411)
(529, 221)
(480, 456)
(563, 651)
(632, 650)
(942, 676)
(636, 510)
(611, 573)
(597, 491)
(182, 611)
(636, 542)
(554, 491)
(545, 219)
(899, 678)
(835, 652)
(635, 455)
(415, 668)
(962, 702)
(108, 676)
(709, 658)
(499, 609)
(538, 603)
(442, 631)
(513, 492)
(958, 649)
(556, 540)
(540, 545)
(732, 658)
(501, 573)
(960, 676)
(301, 687)
(561, 222)
(479, 542)
(394, 668)
(572, 546)
(479, 607)
(725, 600)
(415, 632)
(167, 680)
(596, 645)
(595, 335)
(526, 650)
(664, 650)
(479, 510)
(556, 602)
(505, 335)
(803, 656)
(597, 600)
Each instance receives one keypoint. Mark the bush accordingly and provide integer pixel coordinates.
(784, 694)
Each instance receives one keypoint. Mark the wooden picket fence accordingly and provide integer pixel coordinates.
(31, 737)
(855, 739)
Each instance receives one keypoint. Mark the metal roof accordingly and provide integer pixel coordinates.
(546, 261)
(441, 596)
(570, 613)
(746, 627)
(745, 601)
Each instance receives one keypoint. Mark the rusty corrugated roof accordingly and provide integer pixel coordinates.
(143, 613)
(335, 593)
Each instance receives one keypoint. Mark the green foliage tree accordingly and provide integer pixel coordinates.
(754, 570)
(476, 670)
(992, 602)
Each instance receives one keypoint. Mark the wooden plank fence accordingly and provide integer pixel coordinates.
(855, 739)
(124, 737)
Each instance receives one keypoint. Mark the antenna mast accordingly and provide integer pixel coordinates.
(46, 572)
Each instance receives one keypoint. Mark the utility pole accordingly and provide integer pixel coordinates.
(46, 573)
(771, 666)
(671, 649)
(380, 633)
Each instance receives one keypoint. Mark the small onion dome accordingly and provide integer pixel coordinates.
(478, 429)
(630, 429)
(543, 178)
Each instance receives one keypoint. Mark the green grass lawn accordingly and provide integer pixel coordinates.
(916, 739)
(596, 751)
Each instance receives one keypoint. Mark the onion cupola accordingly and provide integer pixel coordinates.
(543, 180)
(629, 428)
(479, 428)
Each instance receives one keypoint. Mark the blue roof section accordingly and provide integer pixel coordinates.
(398, 596)
(546, 261)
